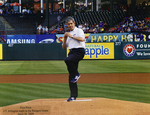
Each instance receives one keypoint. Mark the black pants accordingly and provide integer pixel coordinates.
(72, 61)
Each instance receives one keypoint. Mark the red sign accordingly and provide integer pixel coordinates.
(36, 0)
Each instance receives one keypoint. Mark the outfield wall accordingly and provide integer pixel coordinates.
(33, 52)
(54, 51)
(98, 46)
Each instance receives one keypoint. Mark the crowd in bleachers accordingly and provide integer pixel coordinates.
(42, 29)
(9, 10)
(131, 25)
(100, 25)
(127, 25)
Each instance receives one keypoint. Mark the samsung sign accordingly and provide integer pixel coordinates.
(29, 39)
(46, 38)
(21, 39)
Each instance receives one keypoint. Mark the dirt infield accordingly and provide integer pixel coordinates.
(129, 78)
(88, 106)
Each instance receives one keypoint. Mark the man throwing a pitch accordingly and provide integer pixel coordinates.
(75, 41)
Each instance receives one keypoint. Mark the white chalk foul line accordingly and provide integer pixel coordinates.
(82, 100)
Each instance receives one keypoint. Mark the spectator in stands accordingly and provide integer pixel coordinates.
(1, 12)
(130, 37)
(87, 29)
(149, 30)
(86, 24)
(146, 19)
(111, 30)
(80, 26)
(29, 11)
(24, 11)
(94, 24)
(128, 29)
(141, 37)
(61, 29)
(119, 28)
(101, 30)
(58, 29)
(131, 18)
(131, 25)
(43, 30)
(140, 24)
(127, 23)
(83, 23)
(95, 30)
(138, 37)
(46, 30)
(148, 37)
(91, 30)
(39, 29)
(122, 30)
(136, 28)
(65, 27)
(101, 24)
(58, 19)
(61, 10)
(52, 30)
(125, 29)
(84, 28)
(105, 26)
(144, 29)
(147, 23)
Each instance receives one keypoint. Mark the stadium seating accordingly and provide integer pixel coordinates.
(27, 24)
(53, 19)
(23, 23)
(96, 16)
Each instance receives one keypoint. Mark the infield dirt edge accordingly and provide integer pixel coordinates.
(98, 106)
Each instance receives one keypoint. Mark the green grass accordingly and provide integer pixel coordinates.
(11, 93)
(85, 66)
(17, 93)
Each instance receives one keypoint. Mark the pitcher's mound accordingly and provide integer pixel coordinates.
(86, 106)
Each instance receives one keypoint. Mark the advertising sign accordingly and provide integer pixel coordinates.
(59, 38)
(1, 51)
(20, 39)
(46, 38)
(111, 37)
(98, 51)
(136, 50)
(107, 37)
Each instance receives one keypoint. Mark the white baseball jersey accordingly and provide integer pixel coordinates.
(72, 43)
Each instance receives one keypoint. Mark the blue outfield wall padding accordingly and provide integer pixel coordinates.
(33, 52)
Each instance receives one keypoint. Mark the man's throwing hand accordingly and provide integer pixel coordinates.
(67, 34)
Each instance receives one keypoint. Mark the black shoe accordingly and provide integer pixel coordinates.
(75, 79)
(71, 99)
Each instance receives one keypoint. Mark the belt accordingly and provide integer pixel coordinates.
(76, 49)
